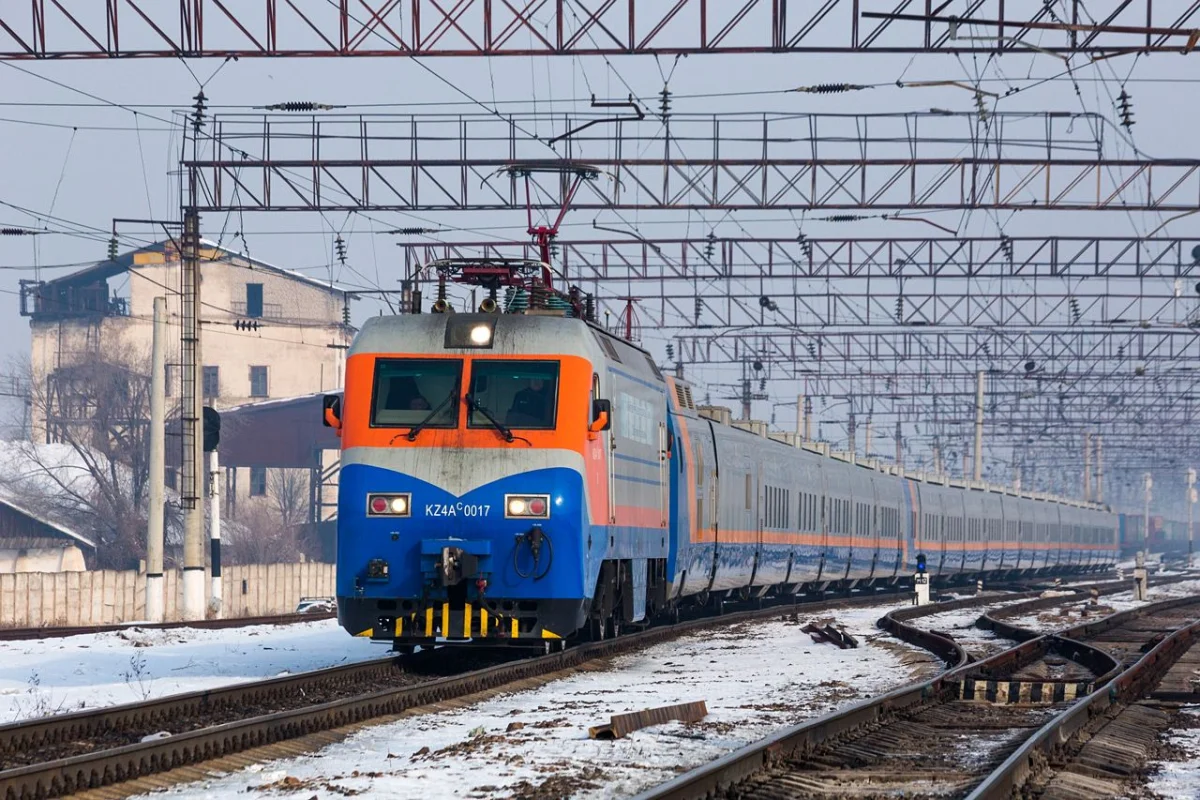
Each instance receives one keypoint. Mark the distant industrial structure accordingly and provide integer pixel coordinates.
(268, 333)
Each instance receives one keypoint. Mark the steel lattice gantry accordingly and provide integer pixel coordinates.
(1135, 385)
(59, 29)
(820, 283)
(645, 260)
(882, 162)
(928, 350)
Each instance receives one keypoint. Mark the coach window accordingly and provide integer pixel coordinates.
(520, 394)
(412, 391)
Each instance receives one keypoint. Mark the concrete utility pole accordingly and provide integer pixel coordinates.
(214, 532)
(1087, 466)
(937, 459)
(800, 417)
(867, 439)
(1191, 504)
(899, 446)
(1099, 469)
(978, 426)
(155, 601)
(1148, 484)
(852, 434)
(192, 414)
(808, 419)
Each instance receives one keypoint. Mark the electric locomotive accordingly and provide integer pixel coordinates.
(474, 497)
(524, 477)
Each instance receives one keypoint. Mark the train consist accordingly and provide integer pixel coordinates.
(525, 478)
(1167, 536)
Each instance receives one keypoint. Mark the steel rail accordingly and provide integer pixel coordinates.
(716, 776)
(104, 767)
(1007, 780)
(159, 713)
(58, 632)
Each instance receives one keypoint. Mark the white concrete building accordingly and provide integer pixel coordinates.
(266, 333)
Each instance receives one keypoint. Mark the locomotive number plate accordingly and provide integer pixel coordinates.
(457, 509)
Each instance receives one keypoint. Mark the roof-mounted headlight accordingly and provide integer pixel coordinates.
(476, 331)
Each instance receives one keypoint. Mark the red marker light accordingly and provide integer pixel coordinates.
(537, 506)
(379, 505)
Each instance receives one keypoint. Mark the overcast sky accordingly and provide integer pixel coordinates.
(92, 162)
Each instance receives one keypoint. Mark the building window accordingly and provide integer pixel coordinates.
(169, 478)
(254, 299)
(258, 481)
(212, 382)
(258, 381)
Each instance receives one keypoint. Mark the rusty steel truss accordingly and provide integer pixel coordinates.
(726, 162)
(62, 29)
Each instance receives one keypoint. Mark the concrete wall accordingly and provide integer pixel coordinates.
(42, 559)
(106, 597)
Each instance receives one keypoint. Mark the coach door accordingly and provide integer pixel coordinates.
(702, 532)
(664, 478)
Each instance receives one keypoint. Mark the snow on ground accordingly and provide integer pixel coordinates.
(49, 676)
(1180, 776)
(960, 624)
(754, 677)
(1069, 614)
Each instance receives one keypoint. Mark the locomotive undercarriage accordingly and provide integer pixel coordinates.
(461, 617)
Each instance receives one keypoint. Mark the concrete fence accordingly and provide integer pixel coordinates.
(106, 597)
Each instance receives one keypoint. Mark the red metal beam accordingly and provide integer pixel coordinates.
(57, 29)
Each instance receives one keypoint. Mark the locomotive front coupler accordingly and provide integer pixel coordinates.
(456, 566)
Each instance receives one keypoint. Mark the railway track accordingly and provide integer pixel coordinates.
(65, 754)
(973, 731)
(68, 753)
(59, 632)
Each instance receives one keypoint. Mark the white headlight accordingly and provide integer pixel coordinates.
(481, 334)
(516, 506)
(399, 505)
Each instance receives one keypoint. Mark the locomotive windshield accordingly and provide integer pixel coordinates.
(409, 391)
(519, 394)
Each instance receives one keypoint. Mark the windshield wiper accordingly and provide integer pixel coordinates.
(415, 429)
(472, 405)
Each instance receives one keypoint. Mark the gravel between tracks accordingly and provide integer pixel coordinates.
(1052, 619)
(1177, 774)
(755, 677)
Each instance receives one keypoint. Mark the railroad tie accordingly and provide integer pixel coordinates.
(1001, 692)
(622, 725)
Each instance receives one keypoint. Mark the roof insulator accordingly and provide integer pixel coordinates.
(18, 232)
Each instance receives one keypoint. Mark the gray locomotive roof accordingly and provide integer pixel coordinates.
(514, 333)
